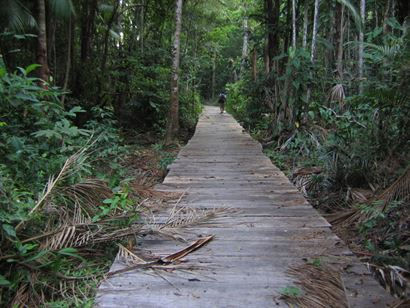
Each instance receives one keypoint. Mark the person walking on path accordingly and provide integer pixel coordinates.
(221, 101)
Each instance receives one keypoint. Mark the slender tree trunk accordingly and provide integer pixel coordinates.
(330, 37)
(213, 75)
(361, 43)
(42, 58)
(245, 45)
(340, 40)
(266, 58)
(68, 63)
(272, 27)
(313, 52)
(173, 115)
(254, 65)
(305, 23)
(294, 24)
(142, 26)
(386, 16)
(314, 33)
(288, 35)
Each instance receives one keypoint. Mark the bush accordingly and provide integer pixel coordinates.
(48, 189)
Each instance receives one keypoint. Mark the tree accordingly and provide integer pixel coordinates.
(361, 42)
(42, 59)
(245, 45)
(294, 24)
(173, 114)
(305, 23)
(272, 21)
(315, 29)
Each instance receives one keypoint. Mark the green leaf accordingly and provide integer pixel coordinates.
(25, 97)
(357, 19)
(62, 8)
(38, 255)
(291, 291)
(2, 72)
(31, 68)
(4, 282)
(70, 252)
(9, 229)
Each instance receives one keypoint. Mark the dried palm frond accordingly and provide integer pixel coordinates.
(399, 190)
(405, 303)
(89, 193)
(67, 169)
(393, 278)
(191, 248)
(128, 256)
(167, 262)
(304, 180)
(183, 217)
(322, 286)
(22, 297)
(337, 93)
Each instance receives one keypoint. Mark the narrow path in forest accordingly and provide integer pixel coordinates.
(269, 229)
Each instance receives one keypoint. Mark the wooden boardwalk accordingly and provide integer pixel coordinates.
(246, 264)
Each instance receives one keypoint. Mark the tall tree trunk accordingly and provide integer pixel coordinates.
(288, 35)
(245, 44)
(340, 40)
(294, 24)
(68, 63)
(107, 35)
(87, 27)
(272, 27)
(42, 58)
(361, 43)
(266, 57)
(305, 23)
(330, 37)
(213, 75)
(312, 53)
(142, 26)
(254, 64)
(173, 114)
(314, 33)
(386, 16)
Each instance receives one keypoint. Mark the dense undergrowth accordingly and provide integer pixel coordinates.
(68, 192)
(348, 153)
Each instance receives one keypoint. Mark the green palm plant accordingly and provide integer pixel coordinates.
(15, 16)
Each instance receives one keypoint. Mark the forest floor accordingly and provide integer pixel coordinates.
(143, 166)
(378, 239)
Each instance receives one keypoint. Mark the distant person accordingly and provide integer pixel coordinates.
(221, 101)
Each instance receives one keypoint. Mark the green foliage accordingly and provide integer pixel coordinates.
(165, 158)
(189, 109)
(40, 136)
(291, 291)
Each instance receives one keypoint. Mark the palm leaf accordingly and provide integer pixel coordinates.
(15, 15)
(356, 16)
(62, 8)
(399, 190)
